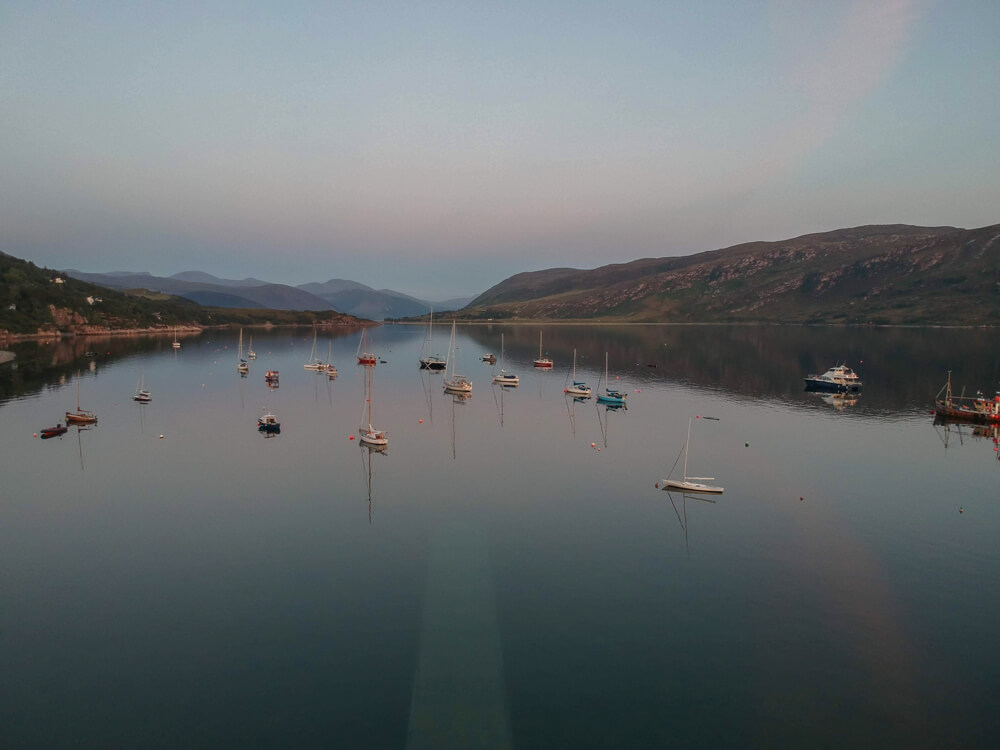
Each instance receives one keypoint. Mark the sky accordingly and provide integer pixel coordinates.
(438, 148)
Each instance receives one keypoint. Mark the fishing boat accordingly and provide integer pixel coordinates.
(840, 379)
(542, 361)
(51, 432)
(977, 409)
(365, 357)
(431, 361)
(267, 422)
(80, 416)
(142, 394)
(271, 376)
(368, 434)
(491, 358)
(690, 484)
(241, 364)
(578, 388)
(176, 344)
(314, 363)
(611, 396)
(505, 378)
(251, 354)
(455, 383)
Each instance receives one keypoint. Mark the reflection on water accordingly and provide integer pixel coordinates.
(170, 578)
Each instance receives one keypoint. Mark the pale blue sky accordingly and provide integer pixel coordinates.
(437, 148)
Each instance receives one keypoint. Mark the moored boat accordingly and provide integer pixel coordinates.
(977, 409)
(80, 416)
(267, 422)
(839, 379)
(51, 432)
(542, 361)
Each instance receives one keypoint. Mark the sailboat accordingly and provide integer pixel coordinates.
(176, 344)
(314, 363)
(80, 416)
(579, 388)
(455, 383)
(251, 354)
(142, 395)
(431, 361)
(542, 361)
(330, 369)
(365, 357)
(610, 396)
(505, 378)
(690, 484)
(368, 434)
(241, 364)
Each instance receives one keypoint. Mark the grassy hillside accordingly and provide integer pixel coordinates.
(894, 274)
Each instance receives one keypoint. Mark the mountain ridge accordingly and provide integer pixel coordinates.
(894, 274)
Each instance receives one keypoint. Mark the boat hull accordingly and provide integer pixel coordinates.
(72, 418)
(51, 432)
(826, 386)
(694, 487)
(375, 437)
(543, 363)
(507, 380)
(962, 414)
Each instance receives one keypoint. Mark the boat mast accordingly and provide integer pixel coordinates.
(686, 444)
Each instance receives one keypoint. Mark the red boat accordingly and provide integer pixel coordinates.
(365, 357)
(51, 432)
(978, 410)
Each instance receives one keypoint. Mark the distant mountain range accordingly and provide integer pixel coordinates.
(892, 274)
(341, 295)
(39, 301)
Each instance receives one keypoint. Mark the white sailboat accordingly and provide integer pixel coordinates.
(367, 433)
(690, 484)
(251, 354)
(505, 378)
(579, 388)
(542, 361)
(455, 383)
(142, 394)
(314, 363)
(176, 344)
(330, 369)
(241, 364)
(431, 361)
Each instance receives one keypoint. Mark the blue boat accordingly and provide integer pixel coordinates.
(611, 396)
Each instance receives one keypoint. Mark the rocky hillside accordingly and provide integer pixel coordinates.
(894, 274)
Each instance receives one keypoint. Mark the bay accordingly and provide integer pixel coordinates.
(506, 574)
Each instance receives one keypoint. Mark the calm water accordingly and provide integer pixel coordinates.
(493, 579)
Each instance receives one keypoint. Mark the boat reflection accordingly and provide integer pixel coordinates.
(682, 517)
(367, 451)
(605, 420)
(838, 401)
(79, 440)
(949, 430)
(457, 399)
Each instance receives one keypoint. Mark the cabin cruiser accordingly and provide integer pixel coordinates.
(839, 379)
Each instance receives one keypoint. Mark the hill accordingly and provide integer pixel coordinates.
(365, 302)
(36, 301)
(221, 292)
(893, 274)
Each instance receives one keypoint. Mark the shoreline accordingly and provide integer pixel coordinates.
(8, 338)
